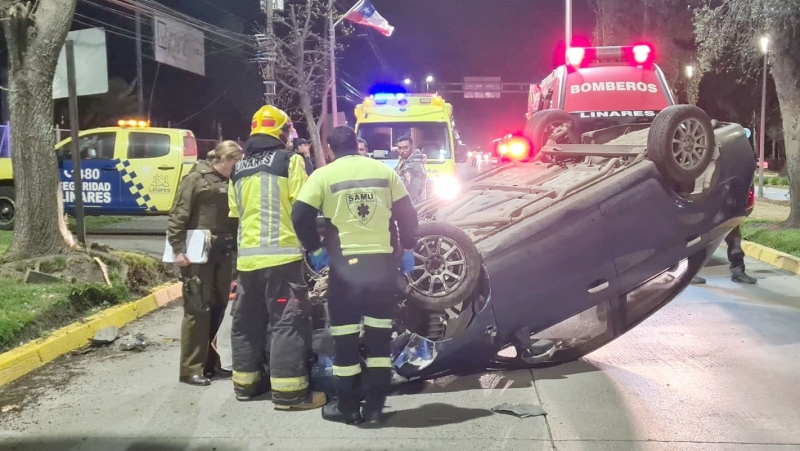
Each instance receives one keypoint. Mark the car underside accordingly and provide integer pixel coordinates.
(543, 261)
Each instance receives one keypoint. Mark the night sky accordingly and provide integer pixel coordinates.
(448, 39)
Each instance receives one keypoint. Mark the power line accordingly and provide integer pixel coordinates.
(205, 107)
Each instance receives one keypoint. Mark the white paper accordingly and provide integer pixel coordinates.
(198, 243)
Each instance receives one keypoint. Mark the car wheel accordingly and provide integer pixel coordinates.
(551, 127)
(8, 207)
(681, 143)
(447, 267)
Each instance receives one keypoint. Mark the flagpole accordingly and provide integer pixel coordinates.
(332, 37)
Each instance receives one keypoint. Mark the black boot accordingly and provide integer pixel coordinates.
(374, 402)
(331, 412)
(248, 392)
(697, 280)
(738, 275)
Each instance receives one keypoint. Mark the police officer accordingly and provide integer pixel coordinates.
(411, 169)
(271, 330)
(202, 204)
(360, 199)
(735, 258)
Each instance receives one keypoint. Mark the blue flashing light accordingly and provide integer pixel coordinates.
(384, 96)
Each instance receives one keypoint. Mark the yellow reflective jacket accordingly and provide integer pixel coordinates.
(263, 187)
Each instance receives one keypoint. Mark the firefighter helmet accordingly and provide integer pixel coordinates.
(271, 121)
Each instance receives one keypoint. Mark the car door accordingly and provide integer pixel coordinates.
(101, 180)
(563, 269)
(152, 170)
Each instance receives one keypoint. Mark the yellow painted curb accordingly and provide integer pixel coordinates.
(26, 358)
(772, 257)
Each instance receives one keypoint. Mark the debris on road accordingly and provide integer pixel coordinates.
(520, 410)
(36, 277)
(84, 350)
(106, 335)
(11, 408)
(136, 344)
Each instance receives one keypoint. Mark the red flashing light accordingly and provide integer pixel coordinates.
(518, 148)
(575, 56)
(751, 197)
(641, 53)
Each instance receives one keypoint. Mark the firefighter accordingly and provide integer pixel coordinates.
(271, 330)
(201, 204)
(360, 199)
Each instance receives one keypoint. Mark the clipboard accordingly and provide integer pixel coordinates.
(198, 243)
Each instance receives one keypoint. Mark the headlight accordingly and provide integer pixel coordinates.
(486, 157)
(446, 187)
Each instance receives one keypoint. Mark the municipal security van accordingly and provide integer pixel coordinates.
(131, 169)
(383, 118)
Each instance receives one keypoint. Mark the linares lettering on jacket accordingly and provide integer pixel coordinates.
(252, 163)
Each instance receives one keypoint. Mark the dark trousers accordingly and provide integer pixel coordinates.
(271, 333)
(364, 289)
(203, 311)
(735, 251)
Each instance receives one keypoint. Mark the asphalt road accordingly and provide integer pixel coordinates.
(717, 369)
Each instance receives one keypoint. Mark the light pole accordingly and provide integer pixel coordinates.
(428, 81)
(689, 71)
(568, 25)
(765, 51)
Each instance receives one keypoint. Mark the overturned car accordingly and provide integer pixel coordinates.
(542, 261)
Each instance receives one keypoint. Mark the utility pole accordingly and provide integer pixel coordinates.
(267, 53)
(332, 34)
(139, 76)
(568, 25)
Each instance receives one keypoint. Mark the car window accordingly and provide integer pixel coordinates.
(147, 145)
(98, 146)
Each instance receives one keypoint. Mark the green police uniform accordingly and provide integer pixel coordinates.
(365, 204)
(202, 204)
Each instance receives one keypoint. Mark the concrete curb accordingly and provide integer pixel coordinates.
(772, 257)
(26, 358)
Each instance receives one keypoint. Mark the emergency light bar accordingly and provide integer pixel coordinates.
(402, 99)
(637, 55)
(133, 123)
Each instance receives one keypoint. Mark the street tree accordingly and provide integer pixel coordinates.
(665, 24)
(729, 32)
(302, 66)
(35, 32)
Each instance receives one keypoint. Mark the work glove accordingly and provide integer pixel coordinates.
(319, 259)
(407, 263)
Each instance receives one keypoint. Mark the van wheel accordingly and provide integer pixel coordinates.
(8, 207)
(551, 127)
(447, 266)
(681, 143)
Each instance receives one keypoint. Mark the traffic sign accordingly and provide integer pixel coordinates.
(482, 87)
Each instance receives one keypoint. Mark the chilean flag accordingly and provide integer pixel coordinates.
(364, 13)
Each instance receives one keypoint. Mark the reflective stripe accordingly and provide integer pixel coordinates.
(365, 183)
(237, 191)
(270, 210)
(240, 378)
(255, 251)
(377, 323)
(346, 371)
(379, 362)
(288, 384)
(347, 329)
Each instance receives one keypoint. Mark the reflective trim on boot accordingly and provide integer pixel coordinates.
(314, 400)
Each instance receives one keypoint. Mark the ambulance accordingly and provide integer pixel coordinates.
(383, 118)
(131, 169)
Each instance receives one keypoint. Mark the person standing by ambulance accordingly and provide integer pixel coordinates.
(361, 199)
(202, 204)
(411, 169)
(271, 330)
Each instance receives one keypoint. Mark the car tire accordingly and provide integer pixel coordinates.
(541, 125)
(8, 206)
(443, 249)
(677, 133)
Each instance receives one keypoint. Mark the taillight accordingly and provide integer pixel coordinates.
(751, 197)
(518, 148)
(189, 145)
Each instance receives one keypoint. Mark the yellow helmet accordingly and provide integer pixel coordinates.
(269, 121)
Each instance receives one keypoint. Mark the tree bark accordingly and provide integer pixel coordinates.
(34, 43)
(786, 73)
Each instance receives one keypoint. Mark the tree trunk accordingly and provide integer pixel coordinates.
(785, 73)
(313, 130)
(33, 53)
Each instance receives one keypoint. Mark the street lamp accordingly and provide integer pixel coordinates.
(407, 81)
(765, 51)
(428, 81)
(689, 71)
